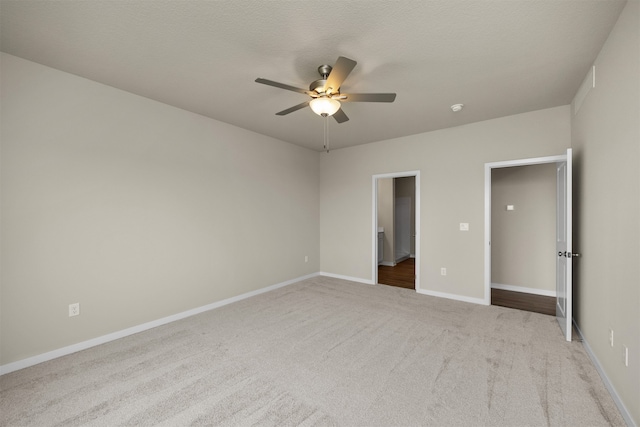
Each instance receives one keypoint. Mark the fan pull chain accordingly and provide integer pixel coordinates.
(326, 133)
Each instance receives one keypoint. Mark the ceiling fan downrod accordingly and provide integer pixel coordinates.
(318, 86)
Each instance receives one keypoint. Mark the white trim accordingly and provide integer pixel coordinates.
(514, 288)
(456, 297)
(349, 278)
(487, 208)
(64, 351)
(605, 379)
(487, 233)
(387, 263)
(527, 162)
(402, 258)
(374, 222)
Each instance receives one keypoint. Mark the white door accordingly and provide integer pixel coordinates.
(563, 247)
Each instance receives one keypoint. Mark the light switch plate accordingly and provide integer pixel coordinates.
(510, 207)
(464, 226)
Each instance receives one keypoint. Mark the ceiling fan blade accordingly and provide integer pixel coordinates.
(339, 73)
(340, 116)
(292, 109)
(281, 85)
(369, 97)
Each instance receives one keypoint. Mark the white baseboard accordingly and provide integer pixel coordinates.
(402, 258)
(456, 297)
(605, 379)
(30, 361)
(523, 289)
(420, 291)
(387, 263)
(349, 278)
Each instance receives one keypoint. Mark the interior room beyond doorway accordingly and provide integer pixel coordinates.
(396, 207)
(523, 215)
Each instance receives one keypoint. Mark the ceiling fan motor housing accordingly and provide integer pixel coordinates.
(318, 85)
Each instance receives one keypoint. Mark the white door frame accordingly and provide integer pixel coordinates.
(487, 209)
(374, 222)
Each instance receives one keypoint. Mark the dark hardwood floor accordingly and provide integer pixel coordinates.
(403, 275)
(521, 301)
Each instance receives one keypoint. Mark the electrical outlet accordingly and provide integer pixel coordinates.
(464, 226)
(625, 355)
(306, 258)
(611, 337)
(443, 271)
(74, 309)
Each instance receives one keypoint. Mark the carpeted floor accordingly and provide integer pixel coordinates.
(323, 352)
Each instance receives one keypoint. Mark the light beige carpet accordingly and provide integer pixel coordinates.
(323, 352)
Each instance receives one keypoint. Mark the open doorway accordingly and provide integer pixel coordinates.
(523, 221)
(563, 233)
(396, 229)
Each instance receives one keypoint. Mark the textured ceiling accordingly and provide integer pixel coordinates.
(496, 57)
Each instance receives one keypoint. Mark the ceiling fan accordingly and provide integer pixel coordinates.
(325, 92)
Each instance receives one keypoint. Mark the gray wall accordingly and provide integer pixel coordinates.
(451, 164)
(523, 241)
(136, 210)
(606, 143)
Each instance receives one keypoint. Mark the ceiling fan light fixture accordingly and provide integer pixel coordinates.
(324, 105)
